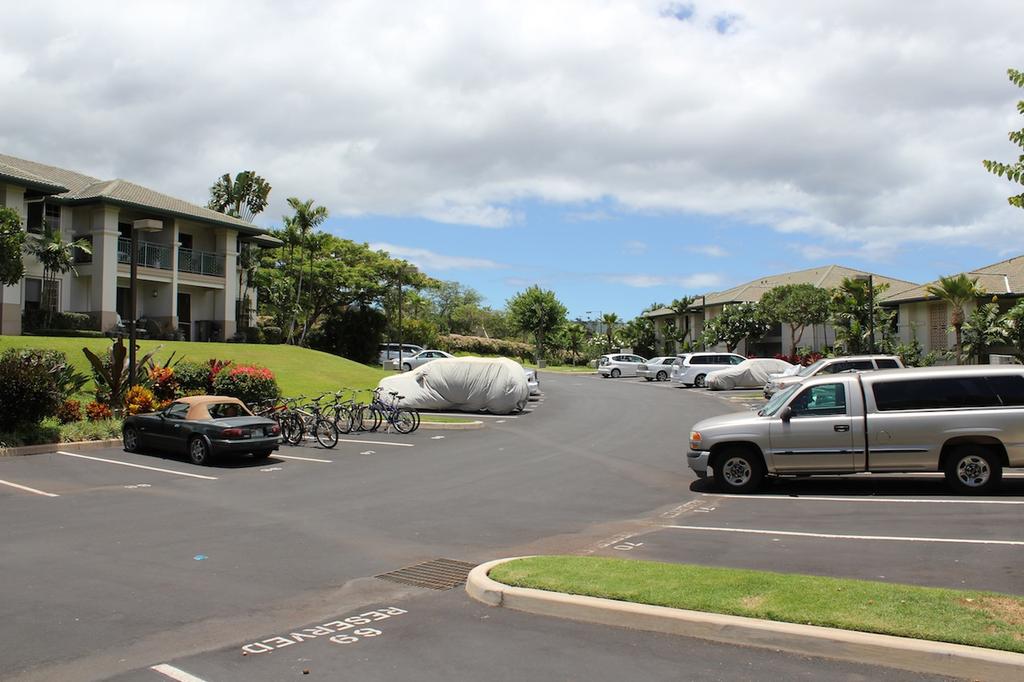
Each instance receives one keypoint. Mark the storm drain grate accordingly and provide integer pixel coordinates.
(437, 574)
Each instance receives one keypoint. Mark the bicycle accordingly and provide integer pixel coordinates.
(404, 420)
(309, 418)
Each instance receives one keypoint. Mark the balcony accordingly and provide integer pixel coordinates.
(159, 256)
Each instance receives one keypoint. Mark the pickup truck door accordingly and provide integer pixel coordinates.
(819, 436)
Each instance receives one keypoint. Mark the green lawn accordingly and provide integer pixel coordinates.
(427, 417)
(298, 370)
(983, 619)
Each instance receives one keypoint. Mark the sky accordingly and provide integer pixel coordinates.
(619, 153)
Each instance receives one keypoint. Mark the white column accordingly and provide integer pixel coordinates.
(103, 293)
(227, 243)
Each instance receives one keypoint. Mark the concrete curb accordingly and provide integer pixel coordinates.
(54, 447)
(452, 426)
(916, 655)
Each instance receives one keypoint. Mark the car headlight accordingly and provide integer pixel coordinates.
(695, 440)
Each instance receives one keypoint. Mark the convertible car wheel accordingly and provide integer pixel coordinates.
(130, 437)
(199, 452)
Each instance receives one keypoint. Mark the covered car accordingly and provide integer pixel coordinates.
(752, 373)
(496, 385)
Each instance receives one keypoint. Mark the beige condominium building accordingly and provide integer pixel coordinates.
(189, 280)
(927, 318)
(691, 321)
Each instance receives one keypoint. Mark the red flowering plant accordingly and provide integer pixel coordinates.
(163, 382)
(97, 411)
(249, 383)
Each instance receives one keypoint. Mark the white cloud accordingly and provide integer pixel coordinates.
(429, 260)
(710, 250)
(635, 247)
(696, 281)
(860, 123)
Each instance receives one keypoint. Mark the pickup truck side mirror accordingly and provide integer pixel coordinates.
(786, 414)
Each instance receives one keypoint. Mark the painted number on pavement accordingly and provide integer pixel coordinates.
(344, 631)
(627, 546)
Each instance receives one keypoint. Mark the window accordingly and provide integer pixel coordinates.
(700, 360)
(935, 394)
(735, 359)
(862, 365)
(668, 361)
(42, 213)
(1009, 388)
(177, 411)
(51, 213)
(819, 401)
(226, 410)
(887, 364)
(33, 293)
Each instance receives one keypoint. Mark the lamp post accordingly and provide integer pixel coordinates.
(870, 279)
(147, 225)
(401, 271)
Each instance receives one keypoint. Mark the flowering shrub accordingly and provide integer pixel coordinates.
(95, 411)
(191, 377)
(248, 383)
(69, 411)
(800, 358)
(139, 400)
(216, 367)
(164, 382)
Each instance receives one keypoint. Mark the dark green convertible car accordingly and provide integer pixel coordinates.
(204, 427)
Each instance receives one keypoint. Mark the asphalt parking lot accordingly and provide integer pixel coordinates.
(117, 562)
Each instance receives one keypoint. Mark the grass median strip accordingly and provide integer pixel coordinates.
(984, 619)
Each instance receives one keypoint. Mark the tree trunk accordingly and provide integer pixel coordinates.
(959, 357)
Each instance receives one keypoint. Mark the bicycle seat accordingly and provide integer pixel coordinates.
(400, 397)
(392, 392)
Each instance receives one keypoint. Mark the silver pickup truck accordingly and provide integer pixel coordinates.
(967, 422)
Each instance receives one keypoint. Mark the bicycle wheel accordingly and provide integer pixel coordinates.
(404, 421)
(416, 414)
(325, 433)
(344, 421)
(291, 429)
(376, 415)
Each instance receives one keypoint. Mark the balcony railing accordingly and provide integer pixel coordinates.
(159, 256)
(200, 262)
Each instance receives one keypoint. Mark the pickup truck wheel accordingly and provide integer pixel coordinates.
(738, 471)
(973, 469)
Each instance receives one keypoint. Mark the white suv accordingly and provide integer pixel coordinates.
(691, 369)
(617, 365)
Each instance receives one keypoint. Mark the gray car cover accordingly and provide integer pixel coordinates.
(748, 374)
(496, 385)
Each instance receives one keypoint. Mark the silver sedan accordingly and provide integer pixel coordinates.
(656, 369)
(411, 362)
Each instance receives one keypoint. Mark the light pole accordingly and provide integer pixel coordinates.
(870, 279)
(401, 271)
(147, 225)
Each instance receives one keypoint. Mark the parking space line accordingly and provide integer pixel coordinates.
(894, 500)
(836, 536)
(375, 442)
(303, 459)
(27, 489)
(175, 673)
(138, 466)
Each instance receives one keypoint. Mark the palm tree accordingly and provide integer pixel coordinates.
(957, 291)
(57, 258)
(244, 197)
(575, 335)
(306, 218)
(610, 320)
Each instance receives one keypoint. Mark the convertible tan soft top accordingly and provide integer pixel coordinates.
(199, 405)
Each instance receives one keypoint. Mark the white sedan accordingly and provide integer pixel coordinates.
(751, 373)
(423, 357)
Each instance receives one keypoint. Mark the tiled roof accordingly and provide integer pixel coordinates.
(22, 176)
(1004, 277)
(660, 312)
(826, 277)
(76, 188)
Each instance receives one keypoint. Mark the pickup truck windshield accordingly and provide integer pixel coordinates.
(811, 369)
(777, 401)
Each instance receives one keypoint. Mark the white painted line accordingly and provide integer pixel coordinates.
(895, 500)
(30, 490)
(303, 459)
(138, 466)
(834, 536)
(470, 415)
(375, 442)
(175, 673)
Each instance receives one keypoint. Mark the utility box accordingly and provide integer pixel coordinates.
(995, 359)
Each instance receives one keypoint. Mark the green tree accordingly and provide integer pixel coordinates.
(12, 242)
(851, 318)
(306, 219)
(243, 197)
(450, 297)
(734, 324)
(575, 338)
(610, 321)
(1013, 325)
(798, 305)
(57, 256)
(984, 328)
(1014, 172)
(957, 291)
(537, 312)
(638, 333)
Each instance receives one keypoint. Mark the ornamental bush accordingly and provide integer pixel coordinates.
(139, 400)
(248, 383)
(96, 411)
(164, 382)
(69, 411)
(192, 376)
(28, 390)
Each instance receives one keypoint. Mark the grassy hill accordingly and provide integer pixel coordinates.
(298, 370)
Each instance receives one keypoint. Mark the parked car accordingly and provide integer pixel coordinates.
(204, 427)
(751, 373)
(656, 369)
(691, 369)
(389, 351)
(967, 422)
(617, 365)
(419, 359)
(856, 363)
(532, 380)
